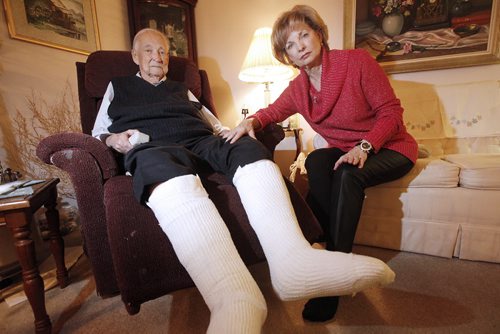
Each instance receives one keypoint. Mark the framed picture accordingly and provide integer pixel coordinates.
(69, 25)
(418, 35)
(174, 18)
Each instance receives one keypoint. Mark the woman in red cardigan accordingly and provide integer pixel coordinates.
(346, 98)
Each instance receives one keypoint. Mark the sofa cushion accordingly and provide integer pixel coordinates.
(477, 171)
(428, 172)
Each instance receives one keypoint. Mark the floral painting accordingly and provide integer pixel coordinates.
(385, 7)
(414, 33)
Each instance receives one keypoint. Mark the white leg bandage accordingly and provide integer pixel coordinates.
(297, 270)
(204, 246)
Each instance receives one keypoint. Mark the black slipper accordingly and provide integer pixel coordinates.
(320, 309)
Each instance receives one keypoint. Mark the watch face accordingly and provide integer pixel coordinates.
(366, 146)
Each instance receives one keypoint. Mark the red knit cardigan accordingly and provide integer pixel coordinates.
(356, 102)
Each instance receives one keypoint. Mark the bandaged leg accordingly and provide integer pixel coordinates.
(204, 246)
(298, 270)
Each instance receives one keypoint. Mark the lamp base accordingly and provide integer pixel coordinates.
(267, 94)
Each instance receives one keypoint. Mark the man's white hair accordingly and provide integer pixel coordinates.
(148, 30)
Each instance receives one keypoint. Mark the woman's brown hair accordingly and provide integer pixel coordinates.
(284, 25)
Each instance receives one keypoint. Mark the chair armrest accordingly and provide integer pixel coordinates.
(271, 136)
(59, 150)
(89, 164)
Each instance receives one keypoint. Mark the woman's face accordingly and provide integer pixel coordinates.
(303, 46)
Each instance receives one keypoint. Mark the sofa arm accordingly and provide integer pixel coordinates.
(89, 163)
(271, 136)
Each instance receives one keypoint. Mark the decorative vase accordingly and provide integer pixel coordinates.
(392, 24)
(461, 8)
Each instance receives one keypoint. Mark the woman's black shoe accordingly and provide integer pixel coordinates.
(320, 309)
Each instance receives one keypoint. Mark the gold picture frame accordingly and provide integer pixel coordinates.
(430, 59)
(72, 27)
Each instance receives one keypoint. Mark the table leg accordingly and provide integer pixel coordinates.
(32, 282)
(298, 143)
(56, 242)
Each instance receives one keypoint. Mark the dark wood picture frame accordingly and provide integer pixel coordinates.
(175, 18)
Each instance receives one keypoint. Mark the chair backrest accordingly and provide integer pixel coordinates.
(102, 66)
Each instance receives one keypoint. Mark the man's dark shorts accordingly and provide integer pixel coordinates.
(156, 162)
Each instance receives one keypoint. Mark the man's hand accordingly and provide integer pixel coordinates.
(222, 133)
(246, 127)
(119, 141)
(354, 157)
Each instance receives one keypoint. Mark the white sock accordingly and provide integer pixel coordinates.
(298, 270)
(204, 246)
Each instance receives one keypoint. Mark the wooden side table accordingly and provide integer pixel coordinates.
(17, 214)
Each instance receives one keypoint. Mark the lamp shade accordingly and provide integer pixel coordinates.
(260, 66)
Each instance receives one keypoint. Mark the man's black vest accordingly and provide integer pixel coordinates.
(164, 112)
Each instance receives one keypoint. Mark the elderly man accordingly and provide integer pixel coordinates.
(186, 138)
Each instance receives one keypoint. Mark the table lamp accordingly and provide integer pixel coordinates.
(260, 66)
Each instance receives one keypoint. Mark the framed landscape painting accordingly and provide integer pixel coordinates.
(69, 25)
(174, 18)
(418, 35)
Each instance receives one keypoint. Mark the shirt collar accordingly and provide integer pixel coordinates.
(159, 82)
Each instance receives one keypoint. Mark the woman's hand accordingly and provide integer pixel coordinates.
(355, 157)
(246, 127)
(119, 141)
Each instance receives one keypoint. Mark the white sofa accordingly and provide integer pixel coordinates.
(449, 204)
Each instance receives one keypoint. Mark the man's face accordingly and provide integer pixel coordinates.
(150, 52)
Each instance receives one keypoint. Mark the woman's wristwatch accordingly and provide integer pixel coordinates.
(365, 146)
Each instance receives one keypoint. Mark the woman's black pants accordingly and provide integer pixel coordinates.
(336, 197)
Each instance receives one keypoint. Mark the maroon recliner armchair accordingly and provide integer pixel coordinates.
(128, 252)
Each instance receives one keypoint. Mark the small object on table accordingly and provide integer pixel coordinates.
(8, 175)
(244, 112)
(393, 46)
(465, 30)
(18, 188)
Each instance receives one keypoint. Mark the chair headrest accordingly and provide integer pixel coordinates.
(102, 66)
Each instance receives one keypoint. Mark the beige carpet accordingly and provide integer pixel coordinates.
(430, 295)
(14, 293)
